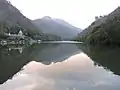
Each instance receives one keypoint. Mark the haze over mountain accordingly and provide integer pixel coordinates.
(45, 28)
(57, 27)
(11, 20)
(10, 16)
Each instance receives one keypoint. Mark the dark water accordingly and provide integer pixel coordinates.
(59, 67)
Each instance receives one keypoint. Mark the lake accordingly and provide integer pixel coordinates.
(55, 66)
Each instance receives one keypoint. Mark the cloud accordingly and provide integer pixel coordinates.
(79, 13)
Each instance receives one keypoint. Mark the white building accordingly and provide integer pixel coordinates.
(20, 35)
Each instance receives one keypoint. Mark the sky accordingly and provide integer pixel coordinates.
(79, 13)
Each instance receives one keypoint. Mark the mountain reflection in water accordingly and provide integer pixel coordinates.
(42, 70)
(77, 72)
(12, 59)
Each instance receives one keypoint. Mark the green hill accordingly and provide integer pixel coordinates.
(105, 30)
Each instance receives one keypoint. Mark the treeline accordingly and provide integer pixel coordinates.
(106, 33)
(14, 29)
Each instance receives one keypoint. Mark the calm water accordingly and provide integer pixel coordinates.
(59, 67)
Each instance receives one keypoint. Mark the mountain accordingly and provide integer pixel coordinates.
(56, 27)
(12, 20)
(105, 30)
(10, 16)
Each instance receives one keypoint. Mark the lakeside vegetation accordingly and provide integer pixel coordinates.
(107, 33)
(14, 29)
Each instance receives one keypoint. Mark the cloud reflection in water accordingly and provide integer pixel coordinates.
(75, 73)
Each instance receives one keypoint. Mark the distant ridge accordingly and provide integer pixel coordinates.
(57, 27)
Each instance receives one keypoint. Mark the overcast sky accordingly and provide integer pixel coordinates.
(79, 13)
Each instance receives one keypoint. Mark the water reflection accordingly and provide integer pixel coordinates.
(14, 57)
(108, 57)
(59, 67)
(75, 73)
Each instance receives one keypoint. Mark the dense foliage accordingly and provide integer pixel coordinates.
(106, 33)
